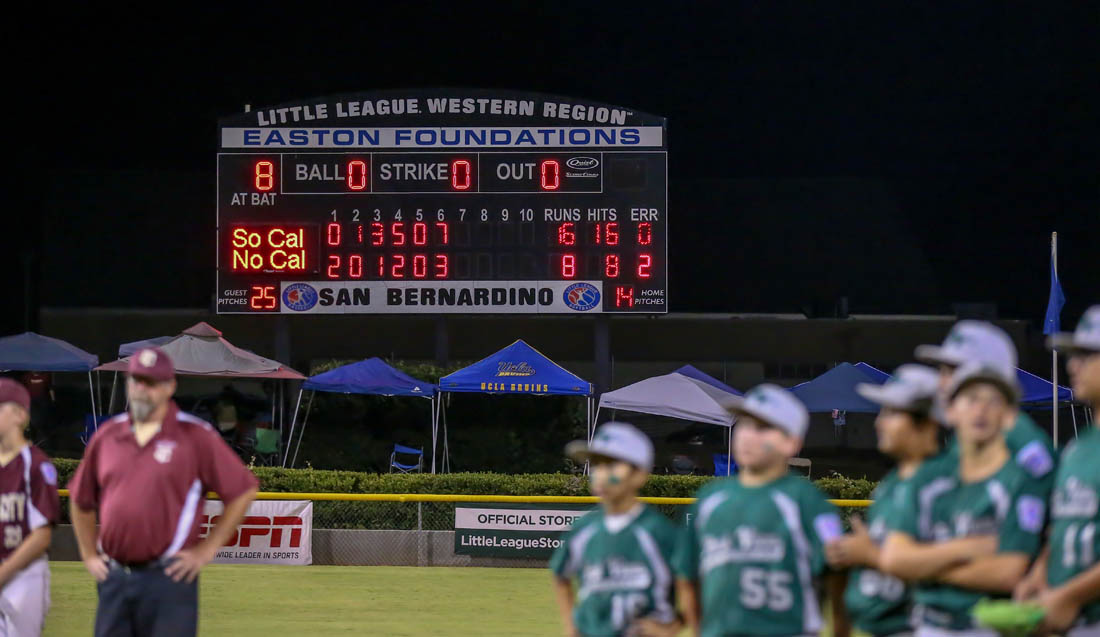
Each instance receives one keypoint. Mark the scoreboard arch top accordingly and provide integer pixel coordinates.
(442, 201)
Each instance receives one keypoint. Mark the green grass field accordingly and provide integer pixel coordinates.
(340, 600)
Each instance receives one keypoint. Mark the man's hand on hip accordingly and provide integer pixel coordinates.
(97, 566)
(186, 564)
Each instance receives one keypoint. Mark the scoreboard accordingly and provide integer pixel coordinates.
(442, 201)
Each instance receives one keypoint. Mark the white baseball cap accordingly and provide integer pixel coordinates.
(911, 388)
(773, 405)
(616, 440)
(977, 371)
(1086, 338)
(971, 341)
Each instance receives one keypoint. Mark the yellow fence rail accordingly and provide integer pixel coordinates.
(442, 497)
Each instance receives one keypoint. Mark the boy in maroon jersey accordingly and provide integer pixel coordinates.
(29, 508)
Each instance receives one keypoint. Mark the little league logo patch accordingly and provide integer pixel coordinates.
(163, 451)
(147, 358)
(49, 473)
(1030, 511)
(299, 297)
(581, 296)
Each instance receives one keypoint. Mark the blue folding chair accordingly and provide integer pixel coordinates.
(724, 465)
(406, 451)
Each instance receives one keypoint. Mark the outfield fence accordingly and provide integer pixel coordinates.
(419, 528)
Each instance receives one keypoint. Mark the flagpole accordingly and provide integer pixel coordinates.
(1053, 351)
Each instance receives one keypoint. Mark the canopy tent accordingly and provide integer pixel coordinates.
(372, 376)
(200, 350)
(677, 395)
(1037, 391)
(515, 369)
(30, 352)
(128, 349)
(836, 389)
(692, 372)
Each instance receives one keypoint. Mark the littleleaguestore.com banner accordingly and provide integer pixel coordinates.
(513, 530)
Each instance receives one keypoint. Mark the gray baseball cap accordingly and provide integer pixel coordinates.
(971, 341)
(911, 388)
(616, 440)
(975, 371)
(1085, 339)
(773, 405)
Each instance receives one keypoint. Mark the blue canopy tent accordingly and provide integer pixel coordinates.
(516, 369)
(30, 352)
(1037, 391)
(836, 389)
(371, 376)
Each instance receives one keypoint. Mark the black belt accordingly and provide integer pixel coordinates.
(137, 566)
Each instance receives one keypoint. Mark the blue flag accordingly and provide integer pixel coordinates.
(1053, 321)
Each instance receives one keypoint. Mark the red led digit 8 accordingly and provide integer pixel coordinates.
(265, 175)
(645, 233)
(332, 234)
(611, 266)
(441, 266)
(568, 266)
(460, 174)
(357, 174)
(420, 234)
(550, 170)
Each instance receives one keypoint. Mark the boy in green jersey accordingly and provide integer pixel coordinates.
(968, 524)
(1066, 578)
(752, 552)
(879, 604)
(982, 342)
(619, 554)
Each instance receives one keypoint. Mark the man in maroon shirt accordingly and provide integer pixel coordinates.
(146, 473)
(29, 507)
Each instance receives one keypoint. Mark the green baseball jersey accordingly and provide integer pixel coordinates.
(878, 603)
(1030, 446)
(622, 572)
(757, 553)
(935, 506)
(1075, 516)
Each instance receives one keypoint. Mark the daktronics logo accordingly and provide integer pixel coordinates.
(255, 526)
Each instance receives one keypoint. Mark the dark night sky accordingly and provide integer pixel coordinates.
(908, 157)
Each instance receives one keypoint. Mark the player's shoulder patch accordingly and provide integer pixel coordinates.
(49, 473)
(828, 526)
(1030, 513)
(1035, 459)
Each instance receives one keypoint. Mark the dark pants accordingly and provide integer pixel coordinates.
(146, 602)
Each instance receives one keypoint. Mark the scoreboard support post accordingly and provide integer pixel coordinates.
(442, 341)
(602, 340)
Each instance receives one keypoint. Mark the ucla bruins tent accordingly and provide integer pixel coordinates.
(370, 376)
(516, 369)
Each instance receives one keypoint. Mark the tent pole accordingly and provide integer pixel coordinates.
(91, 392)
(302, 433)
(1073, 415)
(111, 403)
(433, 432)
(293, 421)
(446, 446)
(729, 450)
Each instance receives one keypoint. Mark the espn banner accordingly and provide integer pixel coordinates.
(273, 532)
(513, 530)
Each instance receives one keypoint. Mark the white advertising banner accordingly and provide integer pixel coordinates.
(273, 532)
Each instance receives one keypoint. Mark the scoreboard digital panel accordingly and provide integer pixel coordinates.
(442, 201)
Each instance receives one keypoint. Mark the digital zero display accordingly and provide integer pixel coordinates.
(444, 201)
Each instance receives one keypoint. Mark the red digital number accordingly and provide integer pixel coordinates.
(381, 267)
(645, 262)
(420, 234)
(263, 297)
(355, 266)
(442, 267)
(568, 266)
(398, 269)
(265, 175)
(460, 174)
(359, 233)
(332, 234)
(611, 231)
(566, 235)
(441, 227)
(645, 233)
(333, 271)
(377, 234)
(550, 171)
(624, 297)
(397, 231)
(420, 266)
(611, 266)
(357, 174)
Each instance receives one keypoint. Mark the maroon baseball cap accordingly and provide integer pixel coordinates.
(152, 363)
(14, 392)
